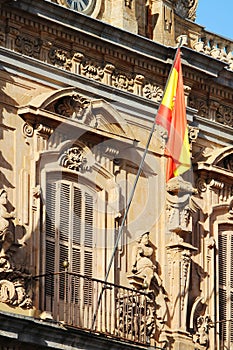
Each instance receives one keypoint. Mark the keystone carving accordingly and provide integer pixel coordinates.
(74, 159)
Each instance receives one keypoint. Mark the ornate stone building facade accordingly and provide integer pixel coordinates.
(81, 82)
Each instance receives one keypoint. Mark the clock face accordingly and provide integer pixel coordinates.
(80, 5)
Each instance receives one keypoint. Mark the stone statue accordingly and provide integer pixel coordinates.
(186, 8)
(143, 268)
(6, 226)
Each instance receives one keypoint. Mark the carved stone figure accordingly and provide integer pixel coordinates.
(6, 226)
(180, 204)
(143, 268)
(186, 8)
(13, 282)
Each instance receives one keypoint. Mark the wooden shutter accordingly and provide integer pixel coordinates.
(70, 234)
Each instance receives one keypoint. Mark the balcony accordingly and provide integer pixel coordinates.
(101, 308)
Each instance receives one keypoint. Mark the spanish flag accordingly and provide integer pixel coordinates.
(172, 117)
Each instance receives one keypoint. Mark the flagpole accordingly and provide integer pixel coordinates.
(131, 196)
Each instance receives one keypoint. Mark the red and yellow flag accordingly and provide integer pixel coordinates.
(172, 116)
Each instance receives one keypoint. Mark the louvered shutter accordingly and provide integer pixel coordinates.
(226, 288)
(50, 237)
(69, 235)
(222, 285)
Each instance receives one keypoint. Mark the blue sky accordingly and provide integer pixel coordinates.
(216, 16)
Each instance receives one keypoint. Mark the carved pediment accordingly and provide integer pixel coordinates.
(222, 158)
(70, 105)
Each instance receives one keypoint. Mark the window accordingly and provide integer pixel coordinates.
(69, 237)
(226, 288)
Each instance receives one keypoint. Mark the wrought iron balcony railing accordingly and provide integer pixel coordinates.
(91, 304)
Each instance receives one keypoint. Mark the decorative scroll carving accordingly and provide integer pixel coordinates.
(74, 159)
(44, 129)
(28, 46)
(186, 8)
(28, 130)
(60, 58)
(201, 184)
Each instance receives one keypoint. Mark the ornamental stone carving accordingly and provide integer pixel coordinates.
(121, 81)
(28, 45)
(74, 159)
(200, 105)
(60, 58)
(152, 92)
(75, 107)
(202, 335)
(224, 115)
(92, 71)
